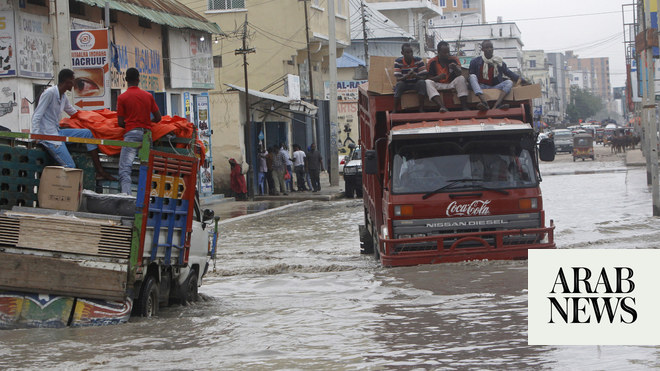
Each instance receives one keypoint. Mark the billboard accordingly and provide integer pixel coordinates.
(90, 62)
(35, 46)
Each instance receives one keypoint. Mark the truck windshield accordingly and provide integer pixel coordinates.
(427, 167)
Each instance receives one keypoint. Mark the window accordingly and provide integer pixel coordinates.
(37, 2)
(217, 61)
(316, 3)
(443, 3)
(466, 4)
(532, 64)
(455, 3)
(339, 7)
(226, 4)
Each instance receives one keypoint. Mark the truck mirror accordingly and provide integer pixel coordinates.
(370, 162)
(547, 150)
(208, 214)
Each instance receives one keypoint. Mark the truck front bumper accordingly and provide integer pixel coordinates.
(447, 248)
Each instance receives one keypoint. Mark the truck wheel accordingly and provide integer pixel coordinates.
(366, 241)
(190, 293)
(147, 304)
(376, 247)
(358, 192)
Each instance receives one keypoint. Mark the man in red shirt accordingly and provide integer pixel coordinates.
(134, 109)
(445, 74)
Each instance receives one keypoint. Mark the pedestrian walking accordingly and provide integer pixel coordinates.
(237, 180)
(279, 169)
(263, 170)
(299, 166)
(314, 167)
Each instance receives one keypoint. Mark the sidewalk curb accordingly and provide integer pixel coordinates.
(302, 204)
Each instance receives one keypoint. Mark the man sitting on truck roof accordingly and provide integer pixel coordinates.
(46, 121)
(486, 72)
(410, 73)
(445, 74)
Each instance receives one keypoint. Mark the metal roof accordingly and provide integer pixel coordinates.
(294, 105)
(164, 12)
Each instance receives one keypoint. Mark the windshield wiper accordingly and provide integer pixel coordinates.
(456, 181)
(451, 183)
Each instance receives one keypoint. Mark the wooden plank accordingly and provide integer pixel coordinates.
(59, 276)
(72, 235)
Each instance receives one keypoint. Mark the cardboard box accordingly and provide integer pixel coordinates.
(381, 75)
(60, 188)
(491, 95)
(411, 100)
(527, 92)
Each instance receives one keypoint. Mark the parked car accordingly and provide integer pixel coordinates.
(353, 174)
(343, 159)
(563, 140)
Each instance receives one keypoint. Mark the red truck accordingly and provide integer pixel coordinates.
(448, 187)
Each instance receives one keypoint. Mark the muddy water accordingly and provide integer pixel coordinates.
(291, 291)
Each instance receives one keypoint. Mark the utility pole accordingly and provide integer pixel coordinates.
(364, 34)
(244, 51)
(333, 169)
(649, 110)
(309, 70)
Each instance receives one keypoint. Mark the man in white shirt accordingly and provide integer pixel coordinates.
(299, 166)
(46, 121)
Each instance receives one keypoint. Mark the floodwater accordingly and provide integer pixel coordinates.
(291, 291)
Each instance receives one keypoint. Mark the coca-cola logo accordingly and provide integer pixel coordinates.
(476, 207)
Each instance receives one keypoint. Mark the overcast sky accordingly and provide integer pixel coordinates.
(591, 28)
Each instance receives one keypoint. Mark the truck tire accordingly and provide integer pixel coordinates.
(358, 192)
(376, 247)
(147, 303)
(366, 241)
(190, 289)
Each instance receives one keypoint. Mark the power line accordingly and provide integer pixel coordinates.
(562, 16)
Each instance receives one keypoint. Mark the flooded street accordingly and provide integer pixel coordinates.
(290, 290)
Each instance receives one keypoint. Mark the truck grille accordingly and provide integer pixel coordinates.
(419, 233)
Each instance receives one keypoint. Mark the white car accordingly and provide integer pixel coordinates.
(343, 159)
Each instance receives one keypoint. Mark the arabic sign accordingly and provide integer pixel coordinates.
(347, 91)
(89, 61)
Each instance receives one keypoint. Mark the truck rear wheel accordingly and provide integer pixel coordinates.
(147, 303)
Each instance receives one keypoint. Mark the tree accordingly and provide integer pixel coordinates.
(582, 105)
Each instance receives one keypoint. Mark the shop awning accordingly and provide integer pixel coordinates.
(164, 12)
(295, 105)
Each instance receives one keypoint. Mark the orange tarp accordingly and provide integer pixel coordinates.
(103, 124)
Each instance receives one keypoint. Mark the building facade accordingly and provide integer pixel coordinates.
(278, 71)
(598, 68)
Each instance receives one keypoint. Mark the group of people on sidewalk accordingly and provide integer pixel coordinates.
(444, 72)
(277, 167)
